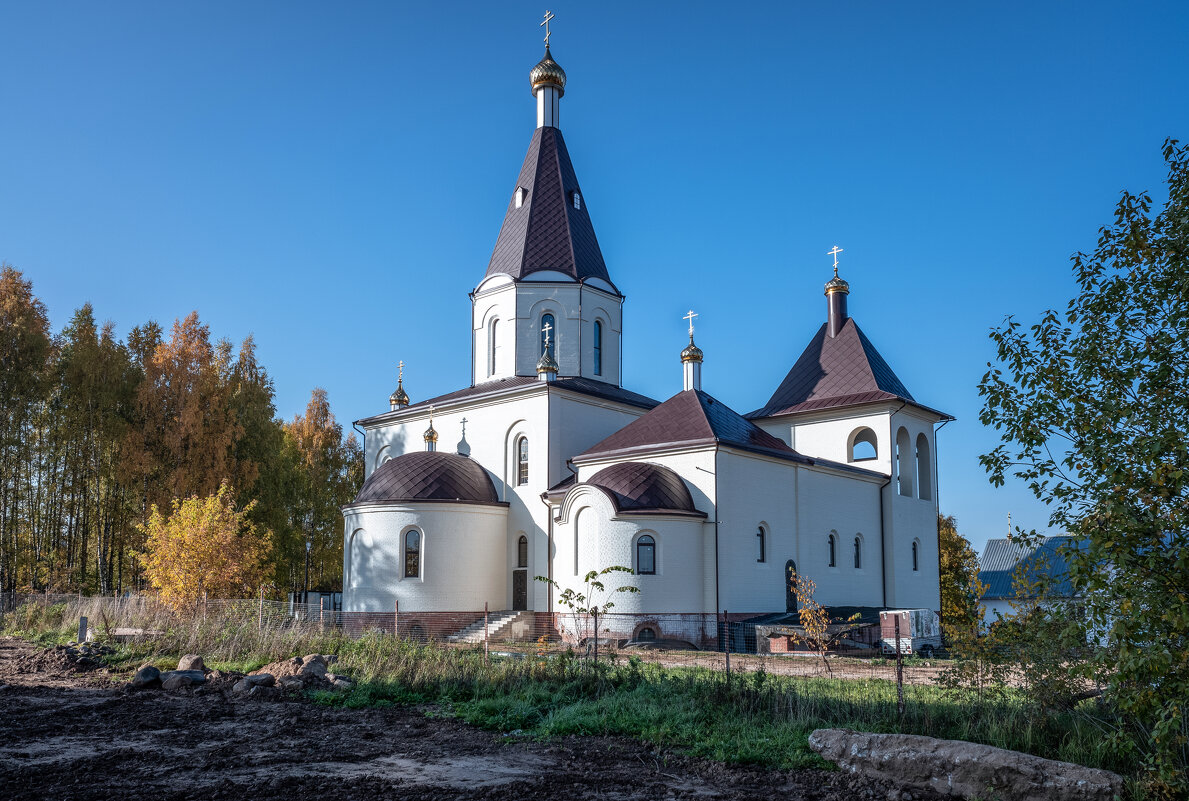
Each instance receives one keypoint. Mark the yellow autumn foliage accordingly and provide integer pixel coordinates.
(205, 545)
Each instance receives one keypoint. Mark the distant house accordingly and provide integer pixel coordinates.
(1004, 559)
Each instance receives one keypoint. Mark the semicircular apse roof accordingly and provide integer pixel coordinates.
(428, 476)
(643, 487)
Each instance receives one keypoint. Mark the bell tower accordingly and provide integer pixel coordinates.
(547, 271)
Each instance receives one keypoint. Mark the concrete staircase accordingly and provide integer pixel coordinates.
(500, 626)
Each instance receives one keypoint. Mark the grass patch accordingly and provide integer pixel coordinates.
(755, 718)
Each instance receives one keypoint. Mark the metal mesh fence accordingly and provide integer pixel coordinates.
(715, 642)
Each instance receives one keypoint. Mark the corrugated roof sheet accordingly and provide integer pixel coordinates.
(1002, 557)
(583, 386)
(547, 232)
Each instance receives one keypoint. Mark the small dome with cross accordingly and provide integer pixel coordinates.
(548, 72)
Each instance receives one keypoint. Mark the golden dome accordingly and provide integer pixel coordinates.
(692, 352)
(400, 397)
(431, 434)
(547, 364)
(837, 284)
(548, 72)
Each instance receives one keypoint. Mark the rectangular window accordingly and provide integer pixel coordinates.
(646, 556)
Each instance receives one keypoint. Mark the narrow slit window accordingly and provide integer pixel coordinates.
(547, 320)
(598, 348)
(833, 551)
(412, 554)
(761, 536)
(522, 461)
(916, 556)
(858, 553)
(522, 552)
(493, 344)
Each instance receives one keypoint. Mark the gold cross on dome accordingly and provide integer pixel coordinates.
(835, 253)
(431, 415)
(548, 16)
(690, 316)
(546, 331)
(400, 370)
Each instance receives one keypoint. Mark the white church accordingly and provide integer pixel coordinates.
(547, 466)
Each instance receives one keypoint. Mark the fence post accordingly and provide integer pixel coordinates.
(726, 630)
(485, 652)
(596, 639)
(262, 607)
(899, 670)
(396, 619)
(204, 606)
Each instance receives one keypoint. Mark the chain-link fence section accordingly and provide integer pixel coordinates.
(722, 643)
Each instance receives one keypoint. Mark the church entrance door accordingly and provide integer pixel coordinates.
(790, 586)
(519, 590)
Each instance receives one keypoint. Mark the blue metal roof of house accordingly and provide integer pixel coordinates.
(1002, 558)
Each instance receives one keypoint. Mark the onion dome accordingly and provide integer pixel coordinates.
(547, 364)
(639, 487)
(428, 476)
(400, 398)
(548, 72)
(692, 352)
(837, 284)
(431, 436)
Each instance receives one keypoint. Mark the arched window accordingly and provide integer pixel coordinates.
(863, 445)
(522, 552)
(646, 556)
(858, 552)
(522, 461)
(412, 553)
(833, 551)
(924, 469)
(598, 348)
(646, 634)
(916, 551)
(547, 320)
(904, 463)
(762, 536)
(493, 346)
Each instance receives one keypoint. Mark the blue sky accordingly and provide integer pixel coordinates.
(331, 178)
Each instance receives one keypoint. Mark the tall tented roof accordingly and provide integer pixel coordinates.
(835, 371)
(428, 476)
(1002, 558)
(549, 230)
(642, 487)
(691, 417)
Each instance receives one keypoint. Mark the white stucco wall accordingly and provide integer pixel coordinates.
(459, 545)
(589, 537)
(520, 308)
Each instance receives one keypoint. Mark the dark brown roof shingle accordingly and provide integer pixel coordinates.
(547, 232)
(641, 487)
(691, 417)
(835, 371)
(428, 476)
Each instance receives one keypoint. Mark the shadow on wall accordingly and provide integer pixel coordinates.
(375, 568)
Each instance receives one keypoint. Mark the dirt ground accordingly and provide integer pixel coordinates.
(71, 734)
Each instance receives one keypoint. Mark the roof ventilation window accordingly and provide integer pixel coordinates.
(521, 194)
(576, 199)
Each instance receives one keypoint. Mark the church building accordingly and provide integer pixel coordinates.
(547, 466)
